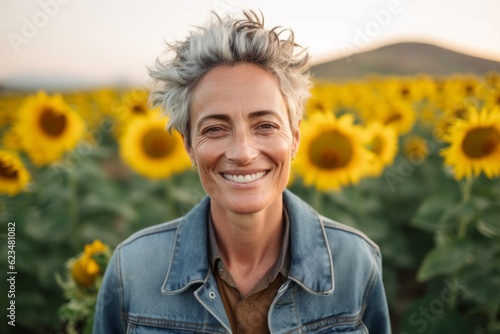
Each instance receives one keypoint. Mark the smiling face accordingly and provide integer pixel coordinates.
(241, 138)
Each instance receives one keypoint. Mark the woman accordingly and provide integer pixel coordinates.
(251, 257)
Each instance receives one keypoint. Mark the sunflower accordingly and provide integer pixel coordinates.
(104, 99)
(324, 98)
(402, 89)
(383, 143)
(49, 128)
(416, 149)
(151, 150)
(451, 112)
(11, 140)
(492, 78)
(354, 93)
(461, 86)
(474, 144)
(85, 268)
(14, 177)
(332, 152)
(133, 104)
(399, 115)
(492, 96)
(9, 105)
(82, 103)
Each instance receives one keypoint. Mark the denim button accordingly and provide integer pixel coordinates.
(212, 294)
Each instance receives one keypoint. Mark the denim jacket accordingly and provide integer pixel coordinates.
(159, 280)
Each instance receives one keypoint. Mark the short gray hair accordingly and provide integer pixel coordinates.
(229, 41)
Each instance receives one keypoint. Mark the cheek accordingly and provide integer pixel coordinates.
(206, 153)
(280, 149)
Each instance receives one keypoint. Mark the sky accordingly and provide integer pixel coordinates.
(73, 44)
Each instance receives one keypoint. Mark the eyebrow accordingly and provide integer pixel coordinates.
(221, 117)
(225, 117)
(257, 114)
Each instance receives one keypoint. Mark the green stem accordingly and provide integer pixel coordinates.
(466, 190)
(73, 214)
(462, 227)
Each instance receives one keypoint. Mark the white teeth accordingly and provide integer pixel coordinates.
(244, 178)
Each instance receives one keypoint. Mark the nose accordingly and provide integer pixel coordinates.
(242, 148)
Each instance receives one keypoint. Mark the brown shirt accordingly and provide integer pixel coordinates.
(249, 314)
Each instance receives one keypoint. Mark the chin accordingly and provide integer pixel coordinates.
(247, 204)
(244, 203)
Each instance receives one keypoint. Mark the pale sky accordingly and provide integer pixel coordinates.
(66, 44)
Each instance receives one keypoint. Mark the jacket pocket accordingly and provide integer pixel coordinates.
(345, 325)
(172, 327)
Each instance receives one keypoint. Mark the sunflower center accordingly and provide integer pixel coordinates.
(460, 113)
(331, 150)
(377, 145)
(52, 123)
(157, 143)
(7, 172)
(480, 142)
(405, 92)
(396, 117)
(138, 109)
(469, 88)
(320, 106)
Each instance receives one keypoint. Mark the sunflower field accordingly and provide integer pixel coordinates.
(414, 162)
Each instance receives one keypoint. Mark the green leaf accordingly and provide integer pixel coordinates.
(46, 228)
(457, 212)
(432, 213)
(452, 322)
(429, 315)
(489, 223)
(482, 285)
(94, 204)
(444, 259)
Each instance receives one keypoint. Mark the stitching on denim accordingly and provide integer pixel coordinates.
(296, 311)
(196, 295)
(161, 228)
(330, 223)
(163, 287)
(332, 321)
(165, 323)
(330, 256)
(119, 284)
(373, 277)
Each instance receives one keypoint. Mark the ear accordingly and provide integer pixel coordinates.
(187, 147)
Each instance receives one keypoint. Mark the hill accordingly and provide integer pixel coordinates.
(403, 59)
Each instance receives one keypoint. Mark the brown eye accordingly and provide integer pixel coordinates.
(213, 131)
(267, 126)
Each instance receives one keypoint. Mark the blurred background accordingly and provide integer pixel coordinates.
(411, 88)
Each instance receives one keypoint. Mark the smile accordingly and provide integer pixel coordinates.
(244, 178)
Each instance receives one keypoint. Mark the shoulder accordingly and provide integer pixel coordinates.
(152, 239)
(352, 251)
(153, 231)
(337, 233)
(345, 231)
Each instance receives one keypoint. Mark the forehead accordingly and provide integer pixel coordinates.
(243, 88)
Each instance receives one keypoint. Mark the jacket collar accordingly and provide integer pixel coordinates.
(311, 264)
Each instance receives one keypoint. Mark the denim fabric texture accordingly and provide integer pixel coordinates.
(159, 280)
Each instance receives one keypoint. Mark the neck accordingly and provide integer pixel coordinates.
(249, 241)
